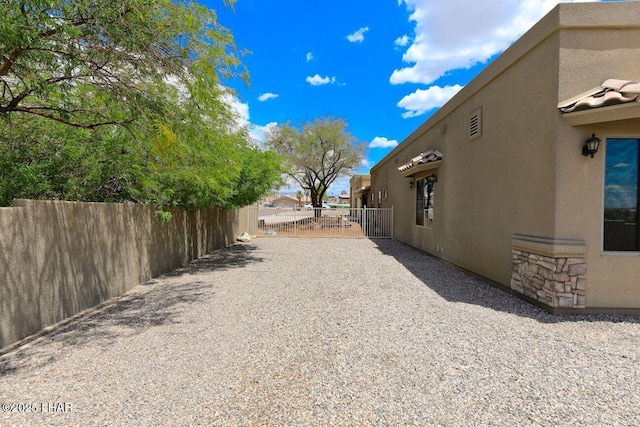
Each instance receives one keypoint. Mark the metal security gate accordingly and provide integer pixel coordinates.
(319, 222)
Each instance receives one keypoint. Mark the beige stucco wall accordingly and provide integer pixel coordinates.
(613, 279)
(610, 48)
(473, 218)
(525, 174)
(60, 258)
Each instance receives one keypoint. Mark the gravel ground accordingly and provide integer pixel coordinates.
(303, 332)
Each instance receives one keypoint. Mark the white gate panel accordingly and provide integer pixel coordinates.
(322, 222)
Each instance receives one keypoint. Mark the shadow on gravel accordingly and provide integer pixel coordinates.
(236, 256)
(455, 285)
(160, 303)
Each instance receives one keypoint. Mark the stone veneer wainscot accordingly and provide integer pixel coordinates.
(550, 271)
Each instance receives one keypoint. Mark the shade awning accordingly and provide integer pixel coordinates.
(613, 100)
(362, 189)
(610, 92)
(630, 110)
(428, 160)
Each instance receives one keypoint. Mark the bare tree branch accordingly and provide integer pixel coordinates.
(37, 111)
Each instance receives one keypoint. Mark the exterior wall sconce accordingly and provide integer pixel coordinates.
(411, 184)
(590, 146)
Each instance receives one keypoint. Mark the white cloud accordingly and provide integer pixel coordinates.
(423, 100)
(358, 36)
(458, 34)
(266, 96)
(239, 109)
(382, 142)
(309, 56)
(259, 133)
(318, 80)
(402, 41)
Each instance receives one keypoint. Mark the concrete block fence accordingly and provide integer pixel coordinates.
(59, 258)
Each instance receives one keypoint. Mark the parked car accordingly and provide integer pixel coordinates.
(309, 206)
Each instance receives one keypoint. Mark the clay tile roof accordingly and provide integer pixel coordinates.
(611, 92)
(422, 158)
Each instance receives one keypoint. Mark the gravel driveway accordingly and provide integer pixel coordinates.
(302, 332)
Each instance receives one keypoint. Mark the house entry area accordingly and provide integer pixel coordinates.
(321, 222)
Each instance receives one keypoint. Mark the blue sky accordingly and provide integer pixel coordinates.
(384, 66)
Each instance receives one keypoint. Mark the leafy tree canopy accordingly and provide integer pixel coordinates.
(69, 60)
(317, 154)
(123, 101)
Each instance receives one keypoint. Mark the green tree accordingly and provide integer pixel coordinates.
(123, 101)
(46, 160)
(317, 154)
(71, 61)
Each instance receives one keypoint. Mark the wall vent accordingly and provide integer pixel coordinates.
(475, 124)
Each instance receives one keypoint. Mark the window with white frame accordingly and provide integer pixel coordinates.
(622, 195)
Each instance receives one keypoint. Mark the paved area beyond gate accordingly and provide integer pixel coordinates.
(375, 223)
(351, 332)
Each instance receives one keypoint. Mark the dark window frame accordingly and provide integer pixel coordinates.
(424, 196)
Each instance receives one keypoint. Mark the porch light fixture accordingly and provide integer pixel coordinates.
(431, 179)
(590, 146)
(411, 183)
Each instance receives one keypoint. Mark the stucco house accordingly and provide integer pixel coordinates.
(503, 181)
(360, 186)
(285, 202)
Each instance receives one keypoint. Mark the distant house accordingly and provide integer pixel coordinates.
(503, 181)
(360, 186)
(285, 202)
